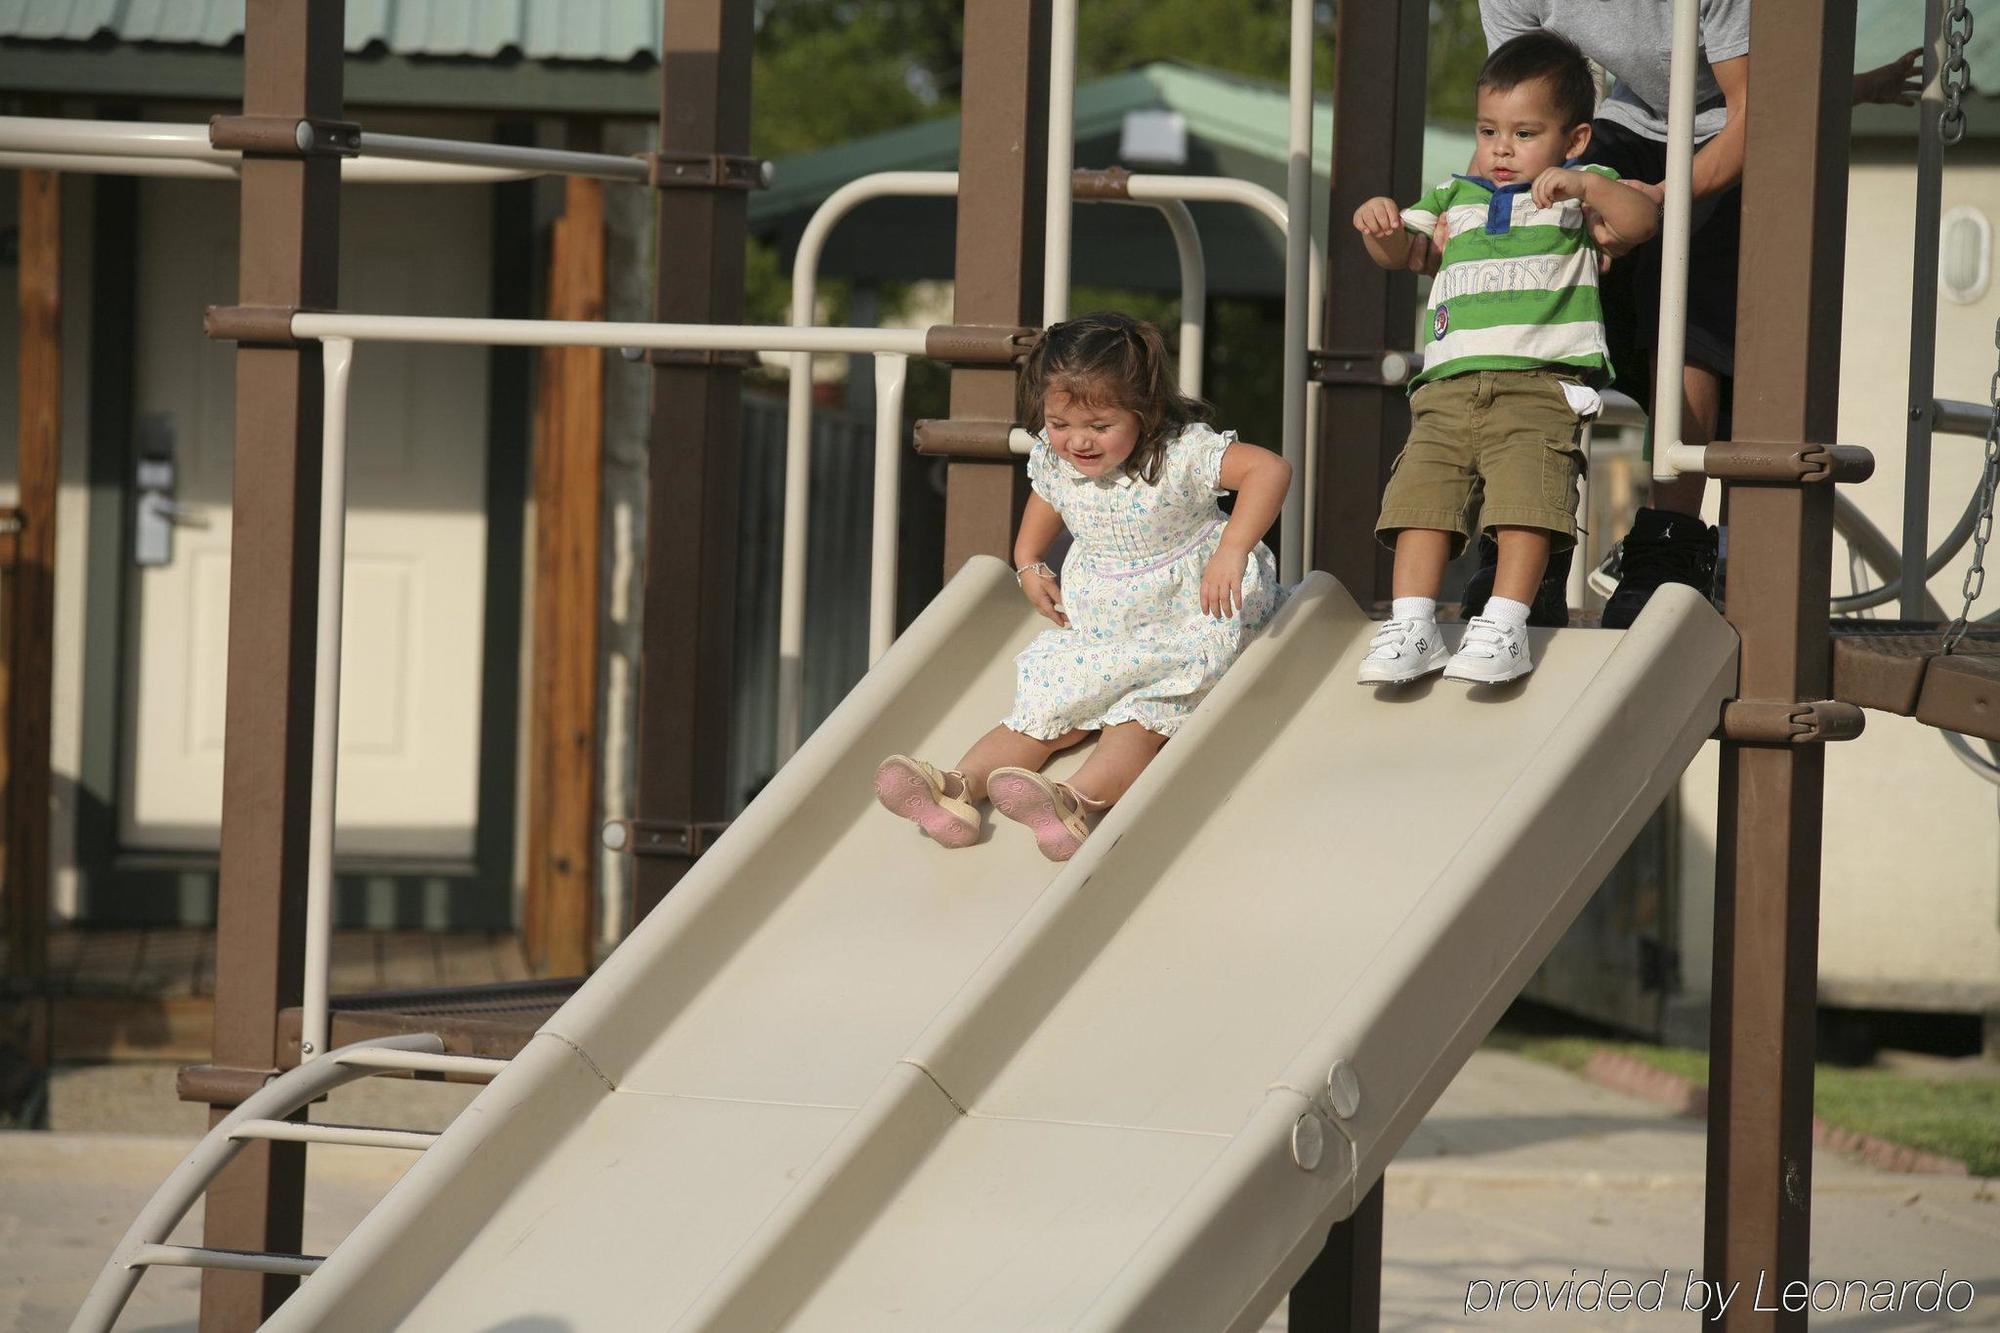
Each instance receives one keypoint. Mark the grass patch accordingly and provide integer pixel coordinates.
(1951, 1117)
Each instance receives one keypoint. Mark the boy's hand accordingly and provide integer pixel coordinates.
(1222, 583)
(1045, 595)
(1380, 217)
(1557, 184)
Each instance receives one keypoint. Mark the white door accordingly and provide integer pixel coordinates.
(416, 528)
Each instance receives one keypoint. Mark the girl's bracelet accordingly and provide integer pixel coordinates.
(1039, 567)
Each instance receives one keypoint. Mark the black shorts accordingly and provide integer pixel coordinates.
(1631, 288)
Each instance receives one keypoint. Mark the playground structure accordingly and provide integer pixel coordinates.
(1772, 714)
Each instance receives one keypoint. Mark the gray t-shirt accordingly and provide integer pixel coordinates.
(1633, 41)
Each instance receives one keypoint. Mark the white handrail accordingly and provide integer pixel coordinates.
(891, 374)
(337, 358)
(798, 392)
(1670, 457)
(798, 427)
(1298, 246)
(1061, 158)
(144, 1242)
(603, 333)
(1228, 190)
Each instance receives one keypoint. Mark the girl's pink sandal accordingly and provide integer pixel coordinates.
(1052, 812)
(915, 791)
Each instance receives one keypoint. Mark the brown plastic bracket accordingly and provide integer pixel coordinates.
(217, 1086)
(285, 136)
(252, 325)
(945, 437)
(979, 344)
(691, 356)
(1783, 722)
(1783, 462)
(705, 171)
(665, 837)
(1377, 367)
(1100, 183)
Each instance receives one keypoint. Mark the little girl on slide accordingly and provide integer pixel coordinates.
(1157, 596)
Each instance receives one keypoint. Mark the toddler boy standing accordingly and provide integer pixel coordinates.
(1513, 343)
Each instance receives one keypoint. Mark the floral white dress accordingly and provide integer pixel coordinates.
(1138, 647)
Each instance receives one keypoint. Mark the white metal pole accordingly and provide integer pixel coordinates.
(353, 171)
(1669, 461)
(891, 373)
(1194, 290)
(337, 356)
(1062, 153)
(1298, 248)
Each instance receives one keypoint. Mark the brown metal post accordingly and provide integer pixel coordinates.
(1759, 1205)
(1342, 1291)
(31, 600)
(557, 915)
(1002, 160)
(1378, 149)
(694, 456)
(289, 256)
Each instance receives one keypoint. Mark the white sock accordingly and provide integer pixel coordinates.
(1507, 611)
(1414, 608)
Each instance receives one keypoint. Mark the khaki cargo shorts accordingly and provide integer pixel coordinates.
(1511, 434)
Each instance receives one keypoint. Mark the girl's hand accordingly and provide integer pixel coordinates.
(1045, 595)
(1380, 217)
(1222, 583)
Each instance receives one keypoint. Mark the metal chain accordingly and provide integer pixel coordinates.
(1982, 532)
(1957, 71)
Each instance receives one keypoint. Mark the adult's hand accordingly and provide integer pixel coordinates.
(1898, 83)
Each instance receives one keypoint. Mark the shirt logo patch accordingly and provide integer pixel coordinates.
(1440, 324)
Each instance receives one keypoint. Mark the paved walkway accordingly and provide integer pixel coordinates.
(1521, 1171)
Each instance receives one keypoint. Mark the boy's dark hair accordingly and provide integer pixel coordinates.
(1545, 55)
(1107, 359)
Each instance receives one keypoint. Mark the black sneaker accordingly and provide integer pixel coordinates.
(1662, 547)
(1551, 605)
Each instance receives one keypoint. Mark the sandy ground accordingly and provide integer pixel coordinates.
(1520, 1172)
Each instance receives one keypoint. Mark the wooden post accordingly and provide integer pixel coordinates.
(1760, 1093)
(569, 453)
(1003, 151)
(694, 456)
(289, 254)
(1378, 149)
(31, 601)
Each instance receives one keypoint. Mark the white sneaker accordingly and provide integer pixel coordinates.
(1402, 650)
(1491, 652)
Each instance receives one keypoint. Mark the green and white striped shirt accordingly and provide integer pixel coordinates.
(1517, 287)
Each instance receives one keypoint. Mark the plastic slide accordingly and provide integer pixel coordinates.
(845, 1079)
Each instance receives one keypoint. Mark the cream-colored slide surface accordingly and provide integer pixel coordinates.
(845, 1079)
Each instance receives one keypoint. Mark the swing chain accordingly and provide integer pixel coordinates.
(1957, 74)
(1989, 482)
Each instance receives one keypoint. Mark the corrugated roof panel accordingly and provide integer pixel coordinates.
(582, 30)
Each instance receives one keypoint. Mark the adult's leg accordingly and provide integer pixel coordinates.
(1122, 753)
(1004, 747)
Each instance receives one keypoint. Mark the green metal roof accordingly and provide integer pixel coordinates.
(612, 31)
(1226, 111)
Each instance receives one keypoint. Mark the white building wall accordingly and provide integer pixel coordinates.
(1910, 896)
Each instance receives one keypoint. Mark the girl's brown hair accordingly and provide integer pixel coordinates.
(1106, 359)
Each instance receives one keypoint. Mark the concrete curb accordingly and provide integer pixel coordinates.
(1624, 1073)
